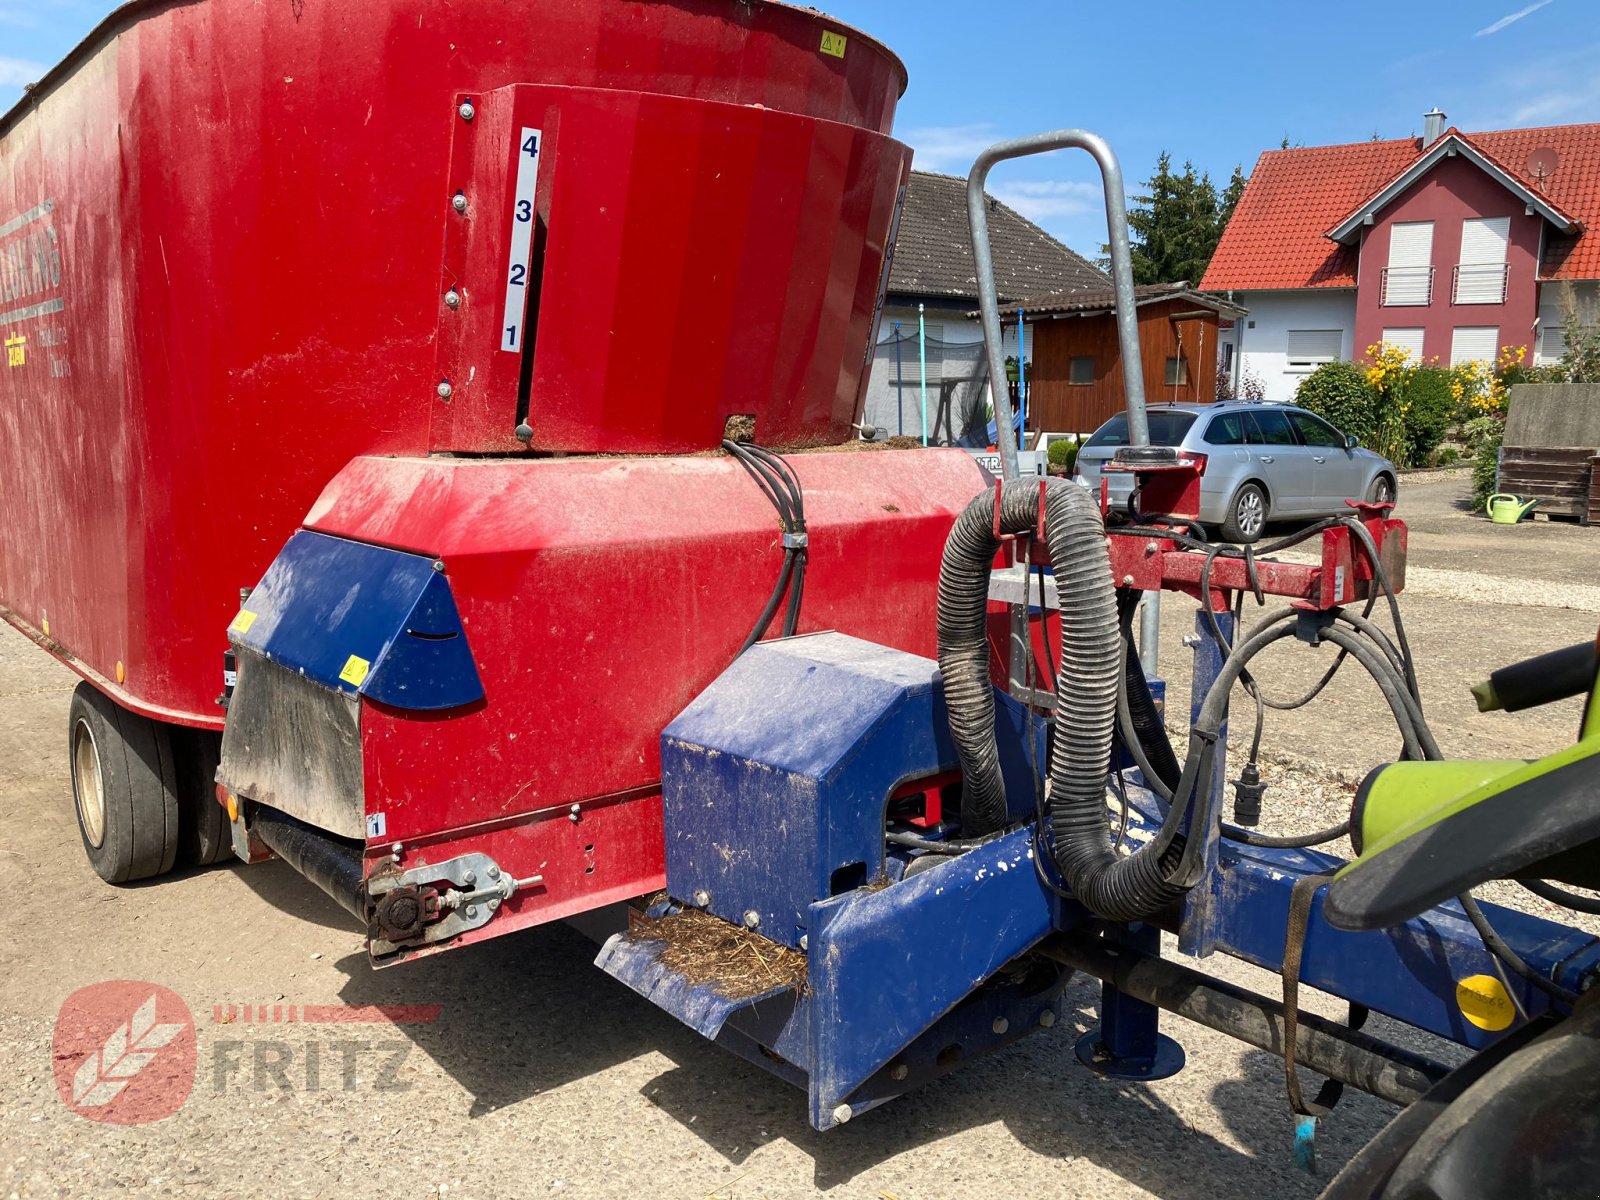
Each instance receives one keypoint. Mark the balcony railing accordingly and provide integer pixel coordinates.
(1479, 283)
(1407, 286)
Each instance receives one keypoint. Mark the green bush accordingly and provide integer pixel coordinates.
(1581, 362)
(1063, 452)
(1476, 431)
(1449, 456)
(1427, 408)
(1486, 459)
(1339, 393)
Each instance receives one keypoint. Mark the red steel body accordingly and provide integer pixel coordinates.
(227, 235)
(600, 596)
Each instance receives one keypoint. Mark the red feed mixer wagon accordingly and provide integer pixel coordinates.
(384, 439)
(421, 328)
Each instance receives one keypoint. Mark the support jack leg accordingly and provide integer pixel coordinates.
(1128, 1043)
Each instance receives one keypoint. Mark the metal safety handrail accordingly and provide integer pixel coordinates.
(1121, 278)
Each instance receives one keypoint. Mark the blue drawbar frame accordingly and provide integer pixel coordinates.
(925, 967)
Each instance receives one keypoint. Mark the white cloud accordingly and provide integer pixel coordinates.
(1511, 18)
(14, 72)
(1564, 89)
(1043, 200)
(948, 148)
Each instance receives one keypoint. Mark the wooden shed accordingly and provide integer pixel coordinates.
(1075, 366)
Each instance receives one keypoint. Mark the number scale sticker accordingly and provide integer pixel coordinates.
(528, 144)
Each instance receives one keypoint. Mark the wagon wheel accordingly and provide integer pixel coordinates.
(124, 788)
(203, 834)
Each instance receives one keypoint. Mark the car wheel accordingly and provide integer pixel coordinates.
(1382, 491)
(1247, 515)
(123, 787)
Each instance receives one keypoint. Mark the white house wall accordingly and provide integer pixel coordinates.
(893, 398)
(1265, 332)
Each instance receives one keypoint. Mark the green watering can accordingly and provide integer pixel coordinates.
(1504, 509)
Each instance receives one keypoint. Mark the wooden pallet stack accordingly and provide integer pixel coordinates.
(1562, 478)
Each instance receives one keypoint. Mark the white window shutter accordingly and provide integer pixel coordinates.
(1406, 339)
(1409, 277)
(1474, 343)
(1552, 346)
(1484, 239)
(1309, 347)
(1481, 277)
(1411, 244)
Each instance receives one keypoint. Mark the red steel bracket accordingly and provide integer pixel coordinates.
(1344, 575)
(1037, 531)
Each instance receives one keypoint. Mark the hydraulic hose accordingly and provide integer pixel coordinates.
(781, 487)
(1141, 726)
(1118, 888)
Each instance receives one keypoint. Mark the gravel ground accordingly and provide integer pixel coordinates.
(541, 1076)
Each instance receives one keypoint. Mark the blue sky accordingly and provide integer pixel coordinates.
(1213, 83)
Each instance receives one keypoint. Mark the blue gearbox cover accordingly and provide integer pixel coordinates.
(361, 620)
(776, 778)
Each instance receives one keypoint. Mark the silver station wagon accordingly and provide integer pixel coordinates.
(1262, 462)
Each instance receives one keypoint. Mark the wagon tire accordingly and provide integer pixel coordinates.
(124, 788)
(203, 834)
(1247, 515)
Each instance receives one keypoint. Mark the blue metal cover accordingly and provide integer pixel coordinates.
(904, 982)
(775, 779)
(361, 620)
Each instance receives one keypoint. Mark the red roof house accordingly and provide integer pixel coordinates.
(1452, 245)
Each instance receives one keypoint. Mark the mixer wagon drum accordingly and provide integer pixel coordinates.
(240, 252)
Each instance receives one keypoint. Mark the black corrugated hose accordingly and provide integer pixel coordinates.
(1090, 676)
(1095, 676)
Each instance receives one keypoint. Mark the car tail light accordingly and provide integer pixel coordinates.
(1199, 461)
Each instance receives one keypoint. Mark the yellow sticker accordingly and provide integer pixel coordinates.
(833, 43)
(242, 623)
(1484, 1001)
(355, 670)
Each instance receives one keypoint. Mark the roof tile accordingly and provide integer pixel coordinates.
(933, 249)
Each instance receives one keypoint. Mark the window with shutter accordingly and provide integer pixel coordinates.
(1481, 277)
(1309, 348)
(1474, 343)
(1552, 346)
(1409, 340)
(1408, 279)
